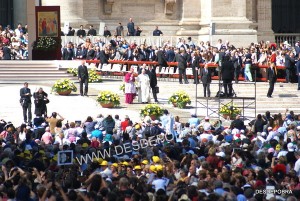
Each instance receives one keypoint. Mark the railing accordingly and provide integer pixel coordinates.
(290, 38)
(260, 69)
(148, 40)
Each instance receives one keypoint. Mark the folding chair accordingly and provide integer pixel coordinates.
(162, 71)
(189, 73)
(166, 73)
(171, 72)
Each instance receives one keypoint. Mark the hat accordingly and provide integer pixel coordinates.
(246, 172)
(137, 127)
(125, 163)
(104, 163)
(184, 197)
(245, 146)
(278, 147)
(156, 122)
(263, 134)
(269, 128)
(126, 117)
(238, 140)
(84, 145)
(290, 147)
(99, 160)
(159, 167)
(228, 138)
(191, 152)
(115, 165)
(298, 128)
(221, 154)
(271, 150)
(206, 118)
(152, 168)
(145, 162)
(138, 167)
(155, 159)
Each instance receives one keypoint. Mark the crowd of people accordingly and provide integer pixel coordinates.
(164, 159)
(13, 43)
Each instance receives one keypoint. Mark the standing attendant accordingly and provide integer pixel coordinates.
(206, 80)
(157, 32)
(144, 83)
(25, 94)
(272, 77)
(153, 83)
(195, 66)
(227, 72)
(129, 86)
(83, 77)
(182, 65)
(130, 27)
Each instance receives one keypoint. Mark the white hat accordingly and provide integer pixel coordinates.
(221, 154)
(47, 128)
(298, 128)
(291, 147)
(206, 118)
(245, 146)
(263, 134)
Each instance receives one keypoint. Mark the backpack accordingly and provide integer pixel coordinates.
(147, 131)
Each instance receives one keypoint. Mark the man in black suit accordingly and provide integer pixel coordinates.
(227, 73)
(182, 65)
(83, 76)
(237, 63)
(92, 31)
(25, 101)
(153, 83)
(195, 66)
(288, 64)
(68, 52)
(6, 53)
(81, 32)
(161, 59)
(206, 80)
(71, 32)
(272, 77)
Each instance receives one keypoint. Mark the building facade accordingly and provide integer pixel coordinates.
(238, 21)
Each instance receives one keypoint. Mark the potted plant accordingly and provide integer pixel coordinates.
(46, 48)
(180, 99)
(152, 110)
(122, 87)
(73, 71)
(229, 110)
(93, 76)
(64, 87)
(108, 99)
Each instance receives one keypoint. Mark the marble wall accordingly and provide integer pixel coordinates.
(240, 21)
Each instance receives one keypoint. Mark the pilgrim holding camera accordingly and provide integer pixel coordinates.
(40, 101)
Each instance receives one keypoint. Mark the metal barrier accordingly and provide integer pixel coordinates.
(260, 69)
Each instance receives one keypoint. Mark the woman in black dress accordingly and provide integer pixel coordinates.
(40, 101)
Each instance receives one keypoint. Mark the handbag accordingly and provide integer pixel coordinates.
(156, 89)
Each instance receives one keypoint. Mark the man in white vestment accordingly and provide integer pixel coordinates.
(144, 84)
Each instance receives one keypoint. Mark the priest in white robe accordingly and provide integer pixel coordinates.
(144, 84)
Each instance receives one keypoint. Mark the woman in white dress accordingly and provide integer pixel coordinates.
(144, 84)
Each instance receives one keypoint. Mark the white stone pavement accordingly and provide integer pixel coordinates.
(71, 107)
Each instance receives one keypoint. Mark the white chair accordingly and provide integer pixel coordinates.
(162, 71)
(189, 73)
(166, 73)
(118, 70)
(124, 69)
(109, 69)
(171, 72)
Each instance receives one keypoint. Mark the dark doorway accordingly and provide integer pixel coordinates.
(6, 12)
(285, 16)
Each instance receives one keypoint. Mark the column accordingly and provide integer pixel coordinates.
(264, 15)
(19, 13)
(189, 23)
(31, 25)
